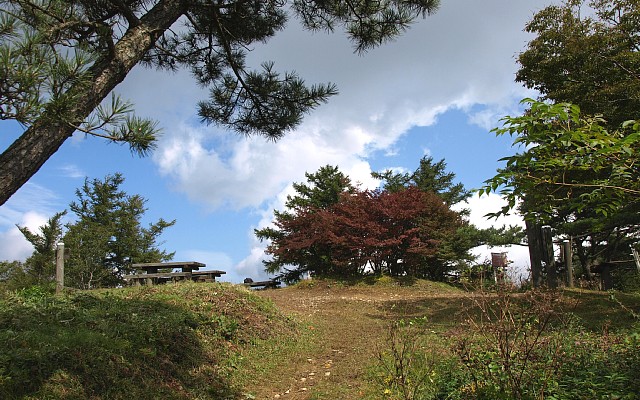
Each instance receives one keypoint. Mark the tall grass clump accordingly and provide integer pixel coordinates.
(413, 363)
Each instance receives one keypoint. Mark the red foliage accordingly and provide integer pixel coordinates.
(388, 232)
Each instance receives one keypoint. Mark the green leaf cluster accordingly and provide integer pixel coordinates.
(567, 160)
(585, 52)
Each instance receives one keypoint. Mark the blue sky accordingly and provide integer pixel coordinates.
(436, 90)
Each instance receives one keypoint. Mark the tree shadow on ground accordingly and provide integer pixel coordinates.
(446, 311)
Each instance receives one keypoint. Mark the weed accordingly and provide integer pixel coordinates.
(413, 362)
(514, 357)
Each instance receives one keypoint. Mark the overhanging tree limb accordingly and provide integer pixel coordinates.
(59, 59)
(20, 161)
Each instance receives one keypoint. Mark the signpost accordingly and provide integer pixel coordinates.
(60, 256)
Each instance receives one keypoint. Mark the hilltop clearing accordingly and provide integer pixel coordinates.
(315, 340)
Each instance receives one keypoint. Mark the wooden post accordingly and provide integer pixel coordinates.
(59, 267)
(636, 257)
(534, 239)
(548, 257)
(567, 262)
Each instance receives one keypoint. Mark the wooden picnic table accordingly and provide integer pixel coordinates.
(152, 268)
(151, 274)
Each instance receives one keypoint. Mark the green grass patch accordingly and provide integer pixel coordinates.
(273, 362)
(169, 342)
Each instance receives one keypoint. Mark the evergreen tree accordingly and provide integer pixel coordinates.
(41, 265)
(431, 177)
(13, 276)
(454, 249)
(59, 59)
(322, 190)
(108, 235)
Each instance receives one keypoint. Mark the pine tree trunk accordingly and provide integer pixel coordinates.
(20, 161)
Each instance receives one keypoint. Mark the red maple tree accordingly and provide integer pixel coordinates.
(386, 232)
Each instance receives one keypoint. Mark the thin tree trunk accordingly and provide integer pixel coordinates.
(20, 161)
(548, 256)
(534, 239)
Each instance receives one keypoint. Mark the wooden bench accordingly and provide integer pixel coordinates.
(270, 284)
(206, 276)
(150, 279)
(185, 266)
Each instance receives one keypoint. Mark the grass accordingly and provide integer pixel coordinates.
(169, 342)
(315, 340)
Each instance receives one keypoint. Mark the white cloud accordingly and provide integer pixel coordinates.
(13, 245)
(480, 206)
(254, 170)
(251, 266)
(460, 57)
(72, 171)
(518, 255)
(32, 206)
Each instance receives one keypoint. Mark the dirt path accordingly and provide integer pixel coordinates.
(348, 325)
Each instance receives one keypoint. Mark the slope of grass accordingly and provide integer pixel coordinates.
(322, 339)
(164, 342)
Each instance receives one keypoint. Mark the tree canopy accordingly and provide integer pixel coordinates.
(586, 52)
(576, 175)
(59, 59)
(377, 231)
(430, 176)
(454, 250)
(570, 160)
(405, 228)
(322, 190)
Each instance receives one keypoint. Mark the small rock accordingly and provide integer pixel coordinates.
(277, 396)
(327, 373)
(303, 379)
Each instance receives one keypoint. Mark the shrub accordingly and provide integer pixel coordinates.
(515, 346)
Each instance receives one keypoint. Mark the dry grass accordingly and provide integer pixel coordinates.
(343, 325)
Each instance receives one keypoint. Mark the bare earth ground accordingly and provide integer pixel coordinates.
(346, 326)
